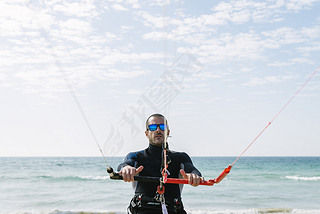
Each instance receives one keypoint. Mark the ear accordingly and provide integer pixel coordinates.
(146, 132)
(168, 132)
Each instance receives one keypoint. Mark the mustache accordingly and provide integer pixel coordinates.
(157, 135)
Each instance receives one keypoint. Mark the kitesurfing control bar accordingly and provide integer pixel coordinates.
(223, 174)
(206, 183)
(116, 176)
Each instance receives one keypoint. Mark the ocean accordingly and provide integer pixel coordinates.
(75, 185)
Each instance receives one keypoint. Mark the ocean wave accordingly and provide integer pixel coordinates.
(61, 212)
(301, 178)
(245, 211)
(223, 211)
(257, 211)
(74, 178)
(94, 177)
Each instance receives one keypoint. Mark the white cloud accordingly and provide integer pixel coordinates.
(266, 80)
(116, 73)
(302, 61)
(160, 2)
(70, 32)
(280, 64)
(159, 36)
(3, 76)
(306, 38)
(265, 92)
(243, 11)
(134, 3)
(156, 21)
(52, 78)
(119, 57)
(15, 19)
(241, 16)
(119, 7)
(285, 36)
(206, 75)
(78, 9)
(211, 19)
(312, 32)
(134, 91)
(237, 47)
(299, 4)
(315, 46)
(75, 26)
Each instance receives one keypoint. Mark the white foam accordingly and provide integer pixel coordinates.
(255, 211)
(193, 211)
(224, 211)
(94, 177)
(299, 211)
(301, 178)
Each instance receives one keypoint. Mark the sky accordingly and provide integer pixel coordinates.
(77, 76)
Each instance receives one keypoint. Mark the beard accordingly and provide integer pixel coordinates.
(157, 140)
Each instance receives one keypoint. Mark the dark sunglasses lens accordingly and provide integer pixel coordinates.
(162, 127)
(153, 127)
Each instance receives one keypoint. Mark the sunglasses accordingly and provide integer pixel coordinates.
(154, 127)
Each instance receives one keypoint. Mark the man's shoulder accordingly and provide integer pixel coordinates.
(176, 152)
(180, 154)
(136, 154)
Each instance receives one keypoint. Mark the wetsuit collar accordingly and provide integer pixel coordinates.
(154, 149)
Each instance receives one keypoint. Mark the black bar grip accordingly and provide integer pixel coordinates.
(117, 176)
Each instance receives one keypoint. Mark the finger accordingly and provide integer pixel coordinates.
(122, 171)
(201, 180)
(191, 179)
(196, 180)
(125, 175)
(183, 173)
(128, 175)
(132, 173)
(140, 168)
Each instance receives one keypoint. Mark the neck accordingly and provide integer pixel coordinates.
(157, 146)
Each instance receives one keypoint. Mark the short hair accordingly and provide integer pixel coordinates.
(157, 115)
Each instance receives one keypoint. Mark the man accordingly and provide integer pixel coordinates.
(148, 162)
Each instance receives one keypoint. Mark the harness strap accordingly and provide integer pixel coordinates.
(144, 203)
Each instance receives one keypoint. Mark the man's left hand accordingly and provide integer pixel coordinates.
(193, 179)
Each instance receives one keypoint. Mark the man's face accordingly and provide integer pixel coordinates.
(156, 137)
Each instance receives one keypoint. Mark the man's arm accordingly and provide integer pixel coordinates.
(189, 171)
(127, 169)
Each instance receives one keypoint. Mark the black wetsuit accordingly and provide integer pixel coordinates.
(151, 160)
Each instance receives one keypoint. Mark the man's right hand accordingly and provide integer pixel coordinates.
(128, 173)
